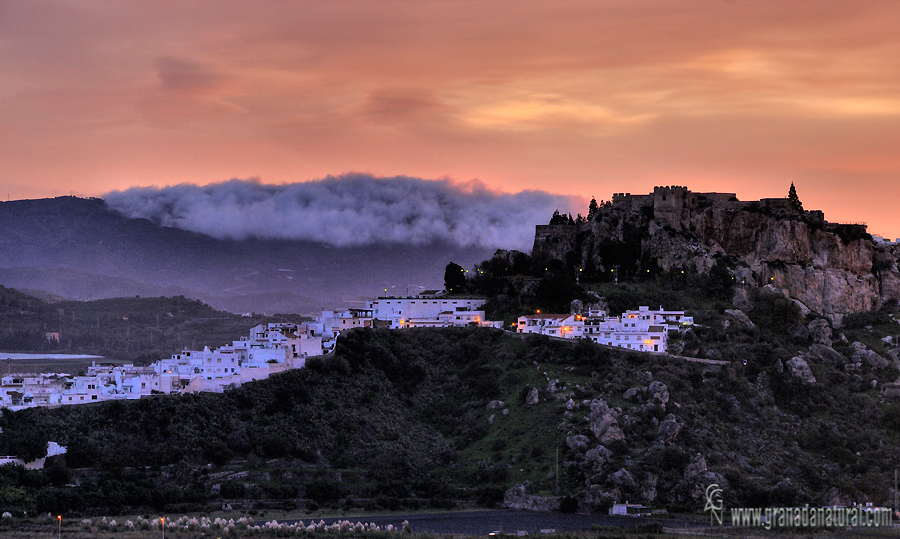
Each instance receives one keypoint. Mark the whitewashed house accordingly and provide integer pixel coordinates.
(566, 326)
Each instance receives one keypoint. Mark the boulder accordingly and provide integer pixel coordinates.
(533, 396)
(623, 478)
(861, 354)
(597, 457)
(553, 386)
(659, 393)
(804, 310)
(820, 332)
(739, 319)
(604, 422)
(648, 487)
(570, 404)
(695, 467)
(824, 354)
(668, 429)
(741, 299)
(495, 405)
(800, 369)
(577, 442)
(607, 428)
(798, 332)
(632, 394)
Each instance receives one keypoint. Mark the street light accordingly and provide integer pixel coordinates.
(163, 520)
(59, 529)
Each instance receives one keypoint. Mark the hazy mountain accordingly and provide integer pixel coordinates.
(80, 249)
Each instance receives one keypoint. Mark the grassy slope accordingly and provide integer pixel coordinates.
(141, 329)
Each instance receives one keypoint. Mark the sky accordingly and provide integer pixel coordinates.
(578, 98)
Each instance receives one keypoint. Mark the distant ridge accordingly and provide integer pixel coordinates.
(80, 249)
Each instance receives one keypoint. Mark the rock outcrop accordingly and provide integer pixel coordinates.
(826, 268)
(824, 354)
(668, 429)
(577, 442)
(738, 318)
(820, 332)
(800, 370)
(604, 422)
(861, 354)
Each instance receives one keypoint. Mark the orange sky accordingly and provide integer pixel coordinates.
(576, 97)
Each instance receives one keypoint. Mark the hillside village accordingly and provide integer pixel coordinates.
(276, 347)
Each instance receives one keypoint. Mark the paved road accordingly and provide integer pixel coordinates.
(484, 522)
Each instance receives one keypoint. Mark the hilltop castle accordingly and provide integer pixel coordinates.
(675, 205)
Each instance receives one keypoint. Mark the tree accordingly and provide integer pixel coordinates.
(795, 200)
(558, 219)
(593, 208)
(454, 277)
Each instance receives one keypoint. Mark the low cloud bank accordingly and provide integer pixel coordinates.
(348, 210)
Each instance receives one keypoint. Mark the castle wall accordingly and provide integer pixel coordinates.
(778, 205)
(627, 201)
(672, 205)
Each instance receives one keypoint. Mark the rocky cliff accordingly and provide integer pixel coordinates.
(833, 269)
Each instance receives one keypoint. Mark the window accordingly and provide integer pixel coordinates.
(93, 397)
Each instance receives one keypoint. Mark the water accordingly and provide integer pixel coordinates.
(15, 356)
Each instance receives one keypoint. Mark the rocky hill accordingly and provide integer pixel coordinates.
(445, 417)
(831, 269)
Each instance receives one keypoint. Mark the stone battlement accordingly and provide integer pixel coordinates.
(674, 205)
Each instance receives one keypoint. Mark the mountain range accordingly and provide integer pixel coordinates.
(80, 249)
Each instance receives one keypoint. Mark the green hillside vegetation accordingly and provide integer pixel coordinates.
(134, 329)
(405, 419)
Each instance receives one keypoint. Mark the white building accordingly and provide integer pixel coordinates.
(566, 326)
(419, 311)
(642, 329)
(629, 509)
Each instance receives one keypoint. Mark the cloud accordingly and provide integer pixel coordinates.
(352, 209)
(180, 75)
